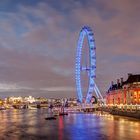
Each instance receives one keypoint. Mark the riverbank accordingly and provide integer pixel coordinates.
(126, 113)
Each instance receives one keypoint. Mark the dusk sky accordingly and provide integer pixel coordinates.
(38, 40)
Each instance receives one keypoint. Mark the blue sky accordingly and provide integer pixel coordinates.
(38, 41)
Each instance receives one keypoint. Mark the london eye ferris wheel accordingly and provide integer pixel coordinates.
(86, 63)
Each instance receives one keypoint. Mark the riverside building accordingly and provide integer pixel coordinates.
(124, 93)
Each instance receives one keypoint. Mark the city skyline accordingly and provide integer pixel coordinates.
(38, 42)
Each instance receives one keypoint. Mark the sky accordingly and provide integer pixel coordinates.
(38, 40)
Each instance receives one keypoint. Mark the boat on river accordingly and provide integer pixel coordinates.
(50, 115)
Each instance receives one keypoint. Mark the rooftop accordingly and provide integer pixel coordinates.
(132, 78)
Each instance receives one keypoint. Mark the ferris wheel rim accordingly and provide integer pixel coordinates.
(86, 31)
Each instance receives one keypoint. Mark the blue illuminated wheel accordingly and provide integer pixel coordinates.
(86, 32)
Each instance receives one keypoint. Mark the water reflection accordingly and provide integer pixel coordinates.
(61, 127)
(30, 124)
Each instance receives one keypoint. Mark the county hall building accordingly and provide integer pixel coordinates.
(124, 92)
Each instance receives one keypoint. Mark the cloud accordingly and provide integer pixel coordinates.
(38, 41)
(58, 89)
(4, 87)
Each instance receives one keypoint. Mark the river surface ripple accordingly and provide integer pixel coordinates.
(31, 125)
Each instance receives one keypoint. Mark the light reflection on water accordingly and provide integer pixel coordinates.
(31, 125)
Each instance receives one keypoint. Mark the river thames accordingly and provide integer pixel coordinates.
(31, 125)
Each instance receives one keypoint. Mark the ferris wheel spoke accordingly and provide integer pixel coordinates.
(85, 69)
